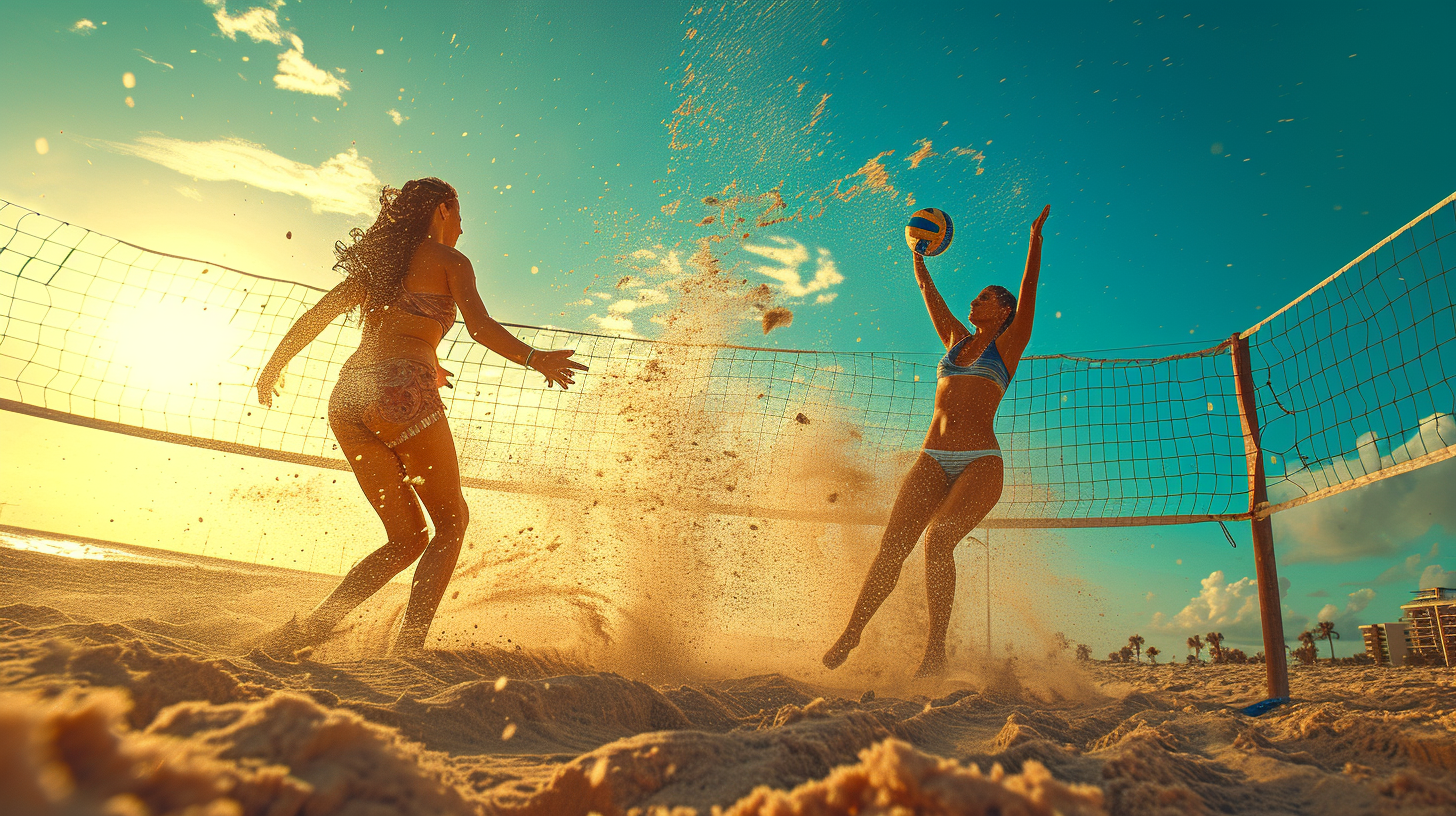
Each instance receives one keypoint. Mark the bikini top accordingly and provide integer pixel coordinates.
(988, 366)
(440, 308)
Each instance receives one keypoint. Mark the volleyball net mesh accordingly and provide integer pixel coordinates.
(1353, 379)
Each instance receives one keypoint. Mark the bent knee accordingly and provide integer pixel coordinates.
(406, 547)
(940, 552)
(453, 520)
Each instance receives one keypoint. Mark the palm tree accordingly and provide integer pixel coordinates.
(1196, 644)
(1124, 653)
(1084, 652)
(1306, 653)
(1136, 641)
(1153, 654)
(1215, 645)
(1326, 630)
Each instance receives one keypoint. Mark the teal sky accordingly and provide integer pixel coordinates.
(1204, 165)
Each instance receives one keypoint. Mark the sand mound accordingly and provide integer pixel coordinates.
(75, 754)
(893, 778)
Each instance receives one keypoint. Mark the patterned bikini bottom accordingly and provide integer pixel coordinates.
(393, 399)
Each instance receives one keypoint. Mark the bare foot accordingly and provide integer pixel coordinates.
(931, 666)
(839, 652)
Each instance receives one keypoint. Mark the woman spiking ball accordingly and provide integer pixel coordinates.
(957, 478)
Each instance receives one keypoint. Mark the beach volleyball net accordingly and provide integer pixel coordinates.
(1352, 382)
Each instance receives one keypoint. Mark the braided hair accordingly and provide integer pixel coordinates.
(379, 257)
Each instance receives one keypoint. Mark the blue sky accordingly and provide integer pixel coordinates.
(1205, 164)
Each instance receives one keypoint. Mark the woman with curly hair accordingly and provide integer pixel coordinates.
(407, 279)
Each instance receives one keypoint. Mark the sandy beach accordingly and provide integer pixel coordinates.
(129, 688)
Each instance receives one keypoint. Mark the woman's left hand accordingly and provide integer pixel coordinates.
(1040, 219)
(269, 384)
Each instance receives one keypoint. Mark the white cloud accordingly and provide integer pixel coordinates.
(651, 297)
(789, 255)
(602, 295)
(83, 26)
(295, 73)
(298, 74)
(1328, 612)
(1379, 519)
(611, 323)
(342, 184)
(582, 302)
(1230, 608)
(1436, 576)
(826, 298)
(622, 307)
(1219, 603)
(396, 117)
(189, 192)
(260, 24)
(1359, 599)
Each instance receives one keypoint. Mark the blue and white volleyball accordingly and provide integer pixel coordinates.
(929, 231)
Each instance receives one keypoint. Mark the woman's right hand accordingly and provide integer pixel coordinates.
(557, 366)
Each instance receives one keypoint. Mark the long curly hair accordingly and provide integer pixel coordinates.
(380, 256)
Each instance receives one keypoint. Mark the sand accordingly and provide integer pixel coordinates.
(118, 697)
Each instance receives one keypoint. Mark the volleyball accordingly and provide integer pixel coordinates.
(929, 231)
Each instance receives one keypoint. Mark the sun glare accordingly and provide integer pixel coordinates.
(173, 345)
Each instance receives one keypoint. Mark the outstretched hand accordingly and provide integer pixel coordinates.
(557, 367)
(269, 384)
(1040, 219)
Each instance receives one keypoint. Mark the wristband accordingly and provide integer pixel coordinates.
(527, 364)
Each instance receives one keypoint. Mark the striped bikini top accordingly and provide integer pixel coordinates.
(988, 366)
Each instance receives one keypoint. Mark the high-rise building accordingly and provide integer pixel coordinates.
(1431, 625)
(1386, 643)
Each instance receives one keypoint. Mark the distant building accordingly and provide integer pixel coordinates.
(1386, 643)
(1430, 619)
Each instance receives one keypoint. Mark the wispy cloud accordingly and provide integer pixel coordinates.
(295, 72)
(789, 255)
(189, 192)
(341, 184)
(154, 61)
(83, 26)
(396, 117)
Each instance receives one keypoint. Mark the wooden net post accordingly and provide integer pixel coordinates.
(1276, 667)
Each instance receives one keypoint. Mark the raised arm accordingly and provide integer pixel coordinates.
(947, 325)
(348, 294)
(1018, 334)
(556, 366)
